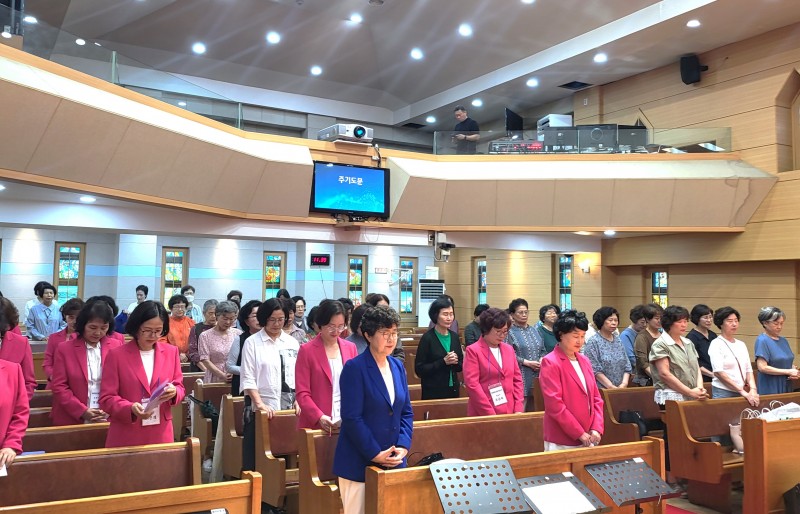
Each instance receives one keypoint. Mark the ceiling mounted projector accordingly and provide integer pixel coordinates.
(346, 132)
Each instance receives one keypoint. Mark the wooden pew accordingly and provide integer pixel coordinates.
(411, 357)
(40, 417)
(439, 409)
(411, 490)
(203, 427)
(630, 398)
(709, 466)
(43, 398)
(100, 472)
(65, 438)
(770, 468)
(180, 412)
(232, 425)
(538, 399)
(38, 369)
(237, 497)
(415, 392)
(454, 438)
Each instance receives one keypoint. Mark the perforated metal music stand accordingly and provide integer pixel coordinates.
(631, 481)
(479, 487)
(545, 480)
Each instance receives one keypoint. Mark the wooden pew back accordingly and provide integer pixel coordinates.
(180, 412)
(231, 419)
(89, 473)
(40, 417)
(276, 439)
(770, 468)
(411, 357)
(65, 438)
(203, 427)
(42, 398)
(38, 368)
(439, 409)
(630, 398)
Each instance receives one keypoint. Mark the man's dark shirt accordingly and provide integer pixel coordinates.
(466, 127)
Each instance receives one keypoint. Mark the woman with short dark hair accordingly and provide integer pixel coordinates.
(548, 314)
(439, 355)
(209, 320)
(730, 360)
(77, 373)
(604, 349)
(248, 320)
(133, 373)
(644, 341)
(573, 407)
(300, 313)
(774, 358)
(491, 374)
(180, 325)
(472, 332)
(527, 344)
(69, 311)
(703, 317)
(356, 337)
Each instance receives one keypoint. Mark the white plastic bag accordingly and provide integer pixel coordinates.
(787, 411)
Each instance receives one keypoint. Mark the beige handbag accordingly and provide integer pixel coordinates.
(736, 429)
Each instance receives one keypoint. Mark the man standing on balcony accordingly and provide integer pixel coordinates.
(466, 132)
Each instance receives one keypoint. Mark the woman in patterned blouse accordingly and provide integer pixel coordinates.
(528, 346)
(604, 349)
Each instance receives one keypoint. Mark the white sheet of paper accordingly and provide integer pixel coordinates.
(3, 471)
(558, 498)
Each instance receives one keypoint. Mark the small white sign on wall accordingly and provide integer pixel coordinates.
(381, 271)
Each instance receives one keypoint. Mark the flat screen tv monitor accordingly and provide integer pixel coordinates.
(349, 189)
(513, 124)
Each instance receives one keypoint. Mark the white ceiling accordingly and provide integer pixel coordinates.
(369, 65)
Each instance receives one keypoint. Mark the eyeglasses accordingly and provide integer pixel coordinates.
(521, 313)
(276, 321)
(501, 331)
(178, 307)
(334, 329)
(151, 332)
(707, 317)
(386, 334)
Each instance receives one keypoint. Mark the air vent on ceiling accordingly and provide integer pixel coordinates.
(413, 125)
(575, 85)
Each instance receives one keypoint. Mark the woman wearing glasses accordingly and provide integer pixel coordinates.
(491, 373)
(573, 407)
(214, 345)
(376, 409)
(319, 366)
(703, 318)
(267, 372)
(133, 373)
(439, 355)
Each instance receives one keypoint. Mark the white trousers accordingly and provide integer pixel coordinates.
(353, 496)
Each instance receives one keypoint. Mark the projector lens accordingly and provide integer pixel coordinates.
(359, 131)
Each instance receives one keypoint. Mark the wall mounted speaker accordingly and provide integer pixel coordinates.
(691, 68)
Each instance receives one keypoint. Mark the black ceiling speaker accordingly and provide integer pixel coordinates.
(691, 68)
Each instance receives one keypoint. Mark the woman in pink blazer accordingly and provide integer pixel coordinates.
(77, 375)
(491, 373)
(573, 407)
(133, 372)
(319, 365)
(15, 348)
(69, 311)
(14, 411)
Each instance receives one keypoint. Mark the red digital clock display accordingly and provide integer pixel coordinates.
(320, 259)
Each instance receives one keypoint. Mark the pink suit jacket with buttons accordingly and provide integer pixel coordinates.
(482, 370)
(313, 382)
(14, 406)
(569, 409)
(71, 379)
(125, 383)
(16, 348)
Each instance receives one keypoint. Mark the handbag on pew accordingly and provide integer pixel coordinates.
(634, 416)
(736, 429)
(429, 459)
(208, 411)
(791, 500)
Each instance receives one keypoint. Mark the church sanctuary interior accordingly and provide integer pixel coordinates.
(628, 152)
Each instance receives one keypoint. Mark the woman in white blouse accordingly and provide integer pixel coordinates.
(730, 360)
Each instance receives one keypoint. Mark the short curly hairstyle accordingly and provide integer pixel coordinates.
(493, 318)
(99, 310)
(672, 314)
(378, 318)
(568, 321)
(602, 314)
(723, 313)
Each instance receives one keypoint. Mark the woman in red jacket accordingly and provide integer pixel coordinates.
(14, 347)
(491, 372)
(14, 411)
(573, 407)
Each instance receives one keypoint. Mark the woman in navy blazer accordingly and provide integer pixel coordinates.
(573, 407)
(376, 409)
(491, 373)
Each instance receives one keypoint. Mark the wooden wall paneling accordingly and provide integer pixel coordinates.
(587, 291)
(781, 203)
(770, 158)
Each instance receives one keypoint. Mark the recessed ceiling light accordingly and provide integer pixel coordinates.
(416, 54)
(273, 37)
(528, 1)
(30, 19)
(532, 82)
(97, 44)
(87, 199)
(610, 233)
(465, 29)
(199, 48)
(600, 57)
(356, 18)
(430, 119)
(477, 102)
(582, 233)
(2, 187)
(316, 70)
(6, 34)
(182, 104)
(80, 42)
(693, 23)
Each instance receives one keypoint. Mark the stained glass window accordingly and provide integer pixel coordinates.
(273, 273)
(480, 266)
(659, 288)
(357, 278)
(174, 269)
(407, 266)
(69, 270)
(565, 281)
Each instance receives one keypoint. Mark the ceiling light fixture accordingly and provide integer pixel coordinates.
(316, 70)
(416, 54)
(582, 233)
(273, 37)
(87, 199)
(610, 232)
(532, 82)
(97, 44)
(600, 58)
(199, 48)
(465, 29)
(356, 18)
(693, 24)
(430, 119)
(528, 1)
(80, 42)
(182, 104)
(30, 19)
(477, 102)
